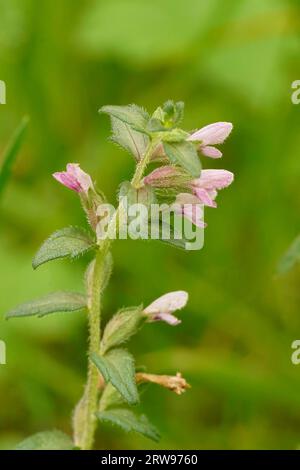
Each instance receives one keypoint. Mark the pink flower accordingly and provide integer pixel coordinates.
(74, 178)
(163, 307)
(206, 187)
(189, 206)
(160, 177)
(211, 135)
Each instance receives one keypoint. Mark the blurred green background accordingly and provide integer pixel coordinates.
(230, 60)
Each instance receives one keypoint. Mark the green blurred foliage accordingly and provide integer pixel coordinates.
(233, 61)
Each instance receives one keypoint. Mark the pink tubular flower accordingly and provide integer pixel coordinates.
(189, 206)
(206, 187)
(163, 307)
(161, 175)
(74, 178)
(211, 135)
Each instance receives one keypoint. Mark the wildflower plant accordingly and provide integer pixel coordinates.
(113, 382)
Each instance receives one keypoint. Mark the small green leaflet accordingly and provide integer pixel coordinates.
(185, 155)
(68, 242)
(117, 367)
(128, 128)
(121, 327)
(51, 303)
(11, 152)
(290, 258)
(48, 440)
(129, 421)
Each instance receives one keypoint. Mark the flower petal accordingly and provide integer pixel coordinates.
(161, 175)
(213, 133)
(213, 179)
(167, 318)
(205, 197)
(194, 213)
(82, 177)
(67, 180)
(209, 151)
(74, 178)
(168, 303)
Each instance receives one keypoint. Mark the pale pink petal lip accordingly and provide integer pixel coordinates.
(194, 215)
(212, 152)
(205, 197)
(167, 318)
(212, 134)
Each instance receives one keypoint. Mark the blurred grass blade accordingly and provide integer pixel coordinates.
(11, 152)
(290, 258)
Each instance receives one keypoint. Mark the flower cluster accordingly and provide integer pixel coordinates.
(204, 189)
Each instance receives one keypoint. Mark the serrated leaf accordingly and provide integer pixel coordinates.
(48, 440)
(69, 242)
(185, 155)
(121, 327)
(129, 128)
(51, 303)
(290, 258)
(131, 114)
(129, 139)
(11, 152)
(117, 367)
(129, 421)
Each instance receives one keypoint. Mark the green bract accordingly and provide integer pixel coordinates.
(117, 367)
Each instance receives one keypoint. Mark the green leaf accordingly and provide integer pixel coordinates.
(129, 139)
(110, 398)
(121, 327)
(68, 242)
(11, 152)
(51, 303)
(185, 155)
(129, 128)
(290, 258)
(48, 440)
(129, 421)
(117, 367)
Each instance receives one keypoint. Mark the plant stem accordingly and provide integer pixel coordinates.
(142, 164)
(89, 402)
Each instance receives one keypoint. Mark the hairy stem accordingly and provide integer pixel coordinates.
(141, 166)
(85, 419)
